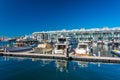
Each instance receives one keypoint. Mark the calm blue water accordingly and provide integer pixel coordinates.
(42, 69)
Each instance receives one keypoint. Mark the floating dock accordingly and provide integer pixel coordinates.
(63, 57)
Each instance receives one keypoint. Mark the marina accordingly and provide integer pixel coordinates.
(59, 39)
(68, 52)
(65, 48)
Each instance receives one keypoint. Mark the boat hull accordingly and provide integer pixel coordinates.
(77, 54)
(116, 52)
(41, 50)
(81, 52)
(18, 49)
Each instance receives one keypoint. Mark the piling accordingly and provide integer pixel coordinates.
(98, 53)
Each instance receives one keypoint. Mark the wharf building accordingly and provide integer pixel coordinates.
(93, 34)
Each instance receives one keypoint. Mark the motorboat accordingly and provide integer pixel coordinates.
(43, 48)
(70, 42)
(60, 48)
(18, 47)
(116, 52)
(67, 40)
(82, 49)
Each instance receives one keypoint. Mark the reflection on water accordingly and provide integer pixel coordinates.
(97, 64)
(62, 65)
(82, 64)
(8, 58)
(18, 68)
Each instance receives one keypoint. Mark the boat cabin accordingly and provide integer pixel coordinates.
(60, 48)
(82, 49)
(84, 46)
(44, 46)
(20, 45)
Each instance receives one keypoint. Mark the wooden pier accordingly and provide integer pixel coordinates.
(62, 57)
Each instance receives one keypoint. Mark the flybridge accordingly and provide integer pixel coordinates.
(68, 40)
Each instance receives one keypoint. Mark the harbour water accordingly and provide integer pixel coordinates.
(12, 68)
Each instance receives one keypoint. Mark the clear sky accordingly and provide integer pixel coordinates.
(20, 17)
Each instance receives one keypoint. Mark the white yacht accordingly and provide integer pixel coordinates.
(60, 48)
(43, 48)
(65, 44)
(82, 49)
(69, 41)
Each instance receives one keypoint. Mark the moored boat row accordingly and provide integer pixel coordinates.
(63, 46)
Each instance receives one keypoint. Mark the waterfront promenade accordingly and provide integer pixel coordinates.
(62, 57)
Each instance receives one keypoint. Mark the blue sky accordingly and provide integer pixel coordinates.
(20, 17)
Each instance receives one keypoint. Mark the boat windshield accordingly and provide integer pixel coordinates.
(61, 47)
(19, 45)
(83, 46)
